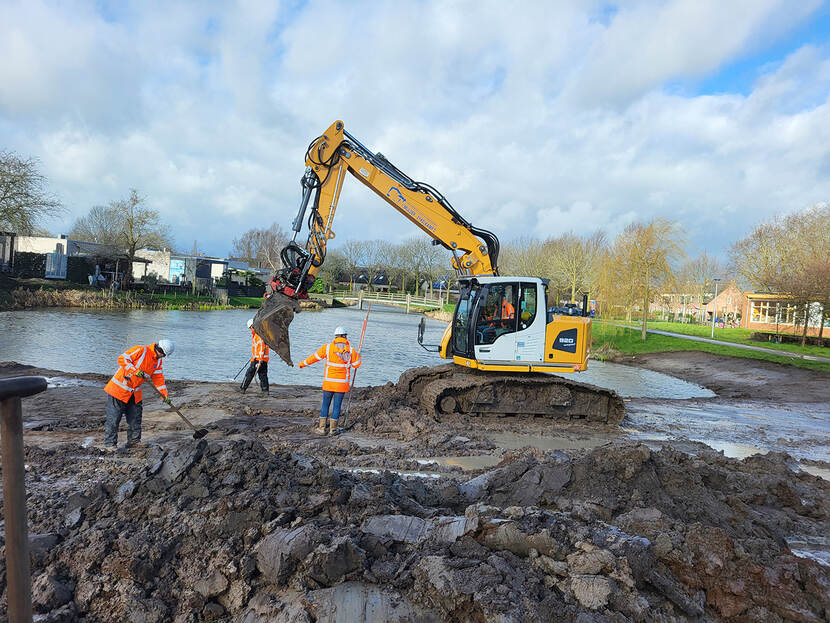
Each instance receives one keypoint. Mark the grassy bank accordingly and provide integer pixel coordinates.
(34, 297)
(736, 336)
(608, 338)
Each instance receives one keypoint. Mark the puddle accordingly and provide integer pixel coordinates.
(821, 472)
(402, 473)
(64, 381)
(631, 382)
(815, 548)
(467, 463)
(513, 441)
(739, 429)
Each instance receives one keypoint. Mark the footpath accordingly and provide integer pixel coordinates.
(695, 338)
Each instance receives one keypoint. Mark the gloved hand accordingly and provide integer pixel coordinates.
(302, 364)
(140, 374)
(166, 400)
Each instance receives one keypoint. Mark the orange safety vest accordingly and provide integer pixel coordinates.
(340, 358)
(259, 350)
(125, 384)
(508, 312)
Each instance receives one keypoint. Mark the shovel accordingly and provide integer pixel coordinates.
(198, 433)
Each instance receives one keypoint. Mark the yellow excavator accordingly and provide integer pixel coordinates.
(502, 340)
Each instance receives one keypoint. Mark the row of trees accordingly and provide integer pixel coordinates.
(787, 255)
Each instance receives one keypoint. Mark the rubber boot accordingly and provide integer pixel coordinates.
(321, 426)
(333, 427)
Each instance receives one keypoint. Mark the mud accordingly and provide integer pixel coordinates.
(738, 377)
(404, 518)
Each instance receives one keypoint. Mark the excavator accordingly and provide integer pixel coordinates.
(502, 340)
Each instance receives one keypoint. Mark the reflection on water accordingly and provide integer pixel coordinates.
(631, 382)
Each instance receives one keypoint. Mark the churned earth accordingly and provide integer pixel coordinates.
(403, 518)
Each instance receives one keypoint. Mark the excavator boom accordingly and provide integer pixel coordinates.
(329, 158)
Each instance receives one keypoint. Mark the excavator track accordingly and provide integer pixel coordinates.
(450, 390)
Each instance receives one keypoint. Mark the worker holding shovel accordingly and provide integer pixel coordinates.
(136, 365)
(259, 362)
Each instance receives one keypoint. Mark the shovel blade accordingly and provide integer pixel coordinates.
(271, 323)
(200, 433)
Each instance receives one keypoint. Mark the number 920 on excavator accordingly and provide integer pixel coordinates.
(503, 342)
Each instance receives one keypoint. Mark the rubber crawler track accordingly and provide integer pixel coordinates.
(447, 390)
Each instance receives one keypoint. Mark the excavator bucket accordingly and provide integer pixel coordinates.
(272, 320)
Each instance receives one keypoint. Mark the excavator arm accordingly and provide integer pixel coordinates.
(336, 153)
(329, 158)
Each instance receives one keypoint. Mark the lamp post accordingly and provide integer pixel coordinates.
(714, 307)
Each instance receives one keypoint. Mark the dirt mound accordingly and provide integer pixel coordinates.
(230, 531)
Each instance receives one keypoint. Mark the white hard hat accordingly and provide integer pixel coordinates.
(250, 322)
(167, 346)
(339, 331)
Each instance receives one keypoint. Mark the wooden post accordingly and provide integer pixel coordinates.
(408, 301)
(360, 299)
(18, 572)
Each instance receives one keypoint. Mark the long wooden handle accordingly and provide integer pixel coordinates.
(172, 406)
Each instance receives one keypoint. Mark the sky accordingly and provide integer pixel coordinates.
(533, 118)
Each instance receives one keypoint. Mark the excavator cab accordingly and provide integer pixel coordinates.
(500, 323)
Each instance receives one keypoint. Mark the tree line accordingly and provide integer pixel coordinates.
(787, 255)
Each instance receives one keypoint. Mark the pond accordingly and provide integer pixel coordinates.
(214, 345)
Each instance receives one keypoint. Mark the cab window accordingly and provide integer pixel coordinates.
(497, 315)
(527, 305)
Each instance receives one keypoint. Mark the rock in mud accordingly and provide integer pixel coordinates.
(279, 552)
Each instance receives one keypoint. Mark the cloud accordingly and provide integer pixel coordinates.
(534, 120)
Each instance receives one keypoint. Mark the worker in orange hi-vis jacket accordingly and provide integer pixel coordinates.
(259, 362)
(340, 358)
(136, 365)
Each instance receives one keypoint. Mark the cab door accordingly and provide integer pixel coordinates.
(496, 322)
(531, 319)
(463, 322)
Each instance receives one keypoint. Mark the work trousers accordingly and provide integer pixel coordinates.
(263, 375)
(331, 398)
(132, 411)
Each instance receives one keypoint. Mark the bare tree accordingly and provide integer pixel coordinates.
(645, 255)
(261, 247)
(125, 223)
(697, 278)
(335, 267)
(141, 227)
(24, 200)
(102, 224)
(525, 256)
(788, 256)
(377, 257)
(354, 255)
(573, 260)
(760, 259)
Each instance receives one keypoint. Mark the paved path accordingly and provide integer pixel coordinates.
(695, 338)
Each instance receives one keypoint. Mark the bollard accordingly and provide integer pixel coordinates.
(18, 572)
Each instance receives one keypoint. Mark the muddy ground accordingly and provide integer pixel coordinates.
(737, 377)
(403, 518)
